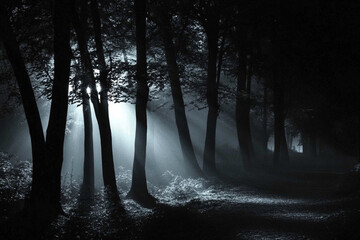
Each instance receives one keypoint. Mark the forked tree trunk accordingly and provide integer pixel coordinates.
(45, 194)
(100, 106)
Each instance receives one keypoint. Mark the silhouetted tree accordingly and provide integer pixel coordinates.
(44, 200)
(139, 191)
(162, 18)
(103, 115)
(209, 17)
(87, 188)
(242, 112)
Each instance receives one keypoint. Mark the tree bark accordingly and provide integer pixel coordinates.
(309, 144)
(87, 188)
(313, 145)
(242, 115)
(104, 127)
(55, 133)
(45, 194)
(281, 154)
(31, 112)
(265, 134)
(358, 137)
(243, 103)
(88, 185)
(187, 148)
(290, 141)
(139, 191)
(212, 34)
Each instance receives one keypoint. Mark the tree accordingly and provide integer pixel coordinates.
(163, 20)
(103, 108)
(281, 154)
(87, 188)
(242, 112)
(278, 24)
(44, 200)
(209, 18)
(100, 105)
(138, 190)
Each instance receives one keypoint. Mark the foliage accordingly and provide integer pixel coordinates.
(15, 178)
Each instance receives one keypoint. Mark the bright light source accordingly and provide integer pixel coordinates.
(88, 90)
(98, 87)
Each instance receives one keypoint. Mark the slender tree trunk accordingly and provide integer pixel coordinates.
(243, 107)
(313, 145)
(221, 56)
(265, 135)
(212, 32)
(126, 60)
(104, 127)
(192, 167)
(87, 188)
(309, 144)
(55, 133)
(305, 143)
(281, 154)
(139, 191)
(290, 141)
(248, 107)
(38, 194)
(358, 137)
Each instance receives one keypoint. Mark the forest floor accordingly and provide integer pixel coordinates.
(257, 205)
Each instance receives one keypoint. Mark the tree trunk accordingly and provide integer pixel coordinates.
(139, 191)
(357, 138)
(100, 106)
(87, 188)
(55, 133)
(104, 126)
(281, 154)
(248, 107)
(192, 167)
(212, 34)
(45, 194)
(265, 134)
(243, 107)
(309, 144)
(38, 193)
(312, 142)
(290, 141)
(242, 125)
